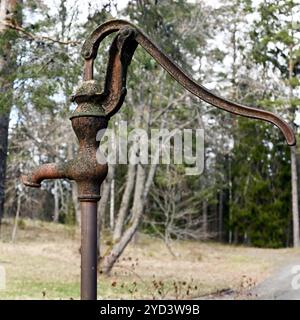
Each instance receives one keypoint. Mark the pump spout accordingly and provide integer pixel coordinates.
(43, 172)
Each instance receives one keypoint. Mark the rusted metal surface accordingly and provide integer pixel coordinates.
(95, 107)
(84, 169)
(120, 55)
(88, 250)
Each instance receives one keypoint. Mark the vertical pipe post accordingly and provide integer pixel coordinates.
(88, 250)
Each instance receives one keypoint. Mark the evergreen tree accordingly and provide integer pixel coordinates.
(276, 47)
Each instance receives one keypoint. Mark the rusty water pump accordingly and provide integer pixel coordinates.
(95, 107)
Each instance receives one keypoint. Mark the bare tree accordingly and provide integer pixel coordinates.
(10, 11)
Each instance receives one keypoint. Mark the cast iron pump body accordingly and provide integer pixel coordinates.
(95, 107)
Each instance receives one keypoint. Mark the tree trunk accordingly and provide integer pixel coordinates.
(205, 219)
(76, 203)
(4, 122)
(112, 204)
(8, 14)
(102, 205)
(137, 211)
(124, 203)
(105, 192)
(294, 173)
(56, 202)
(294, 177)
(14, 232)
(220, 218)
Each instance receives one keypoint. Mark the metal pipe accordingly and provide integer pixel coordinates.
(45, 171)
(88, 250)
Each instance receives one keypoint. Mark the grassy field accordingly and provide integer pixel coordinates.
(44, 263)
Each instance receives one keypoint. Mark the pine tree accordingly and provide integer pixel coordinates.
(276, 47)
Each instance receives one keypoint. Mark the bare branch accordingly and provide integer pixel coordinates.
(37, 37)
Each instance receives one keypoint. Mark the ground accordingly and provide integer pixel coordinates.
(44, 263)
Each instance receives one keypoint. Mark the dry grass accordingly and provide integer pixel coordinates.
(44, 263)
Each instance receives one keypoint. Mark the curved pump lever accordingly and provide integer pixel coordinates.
(121, 52)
